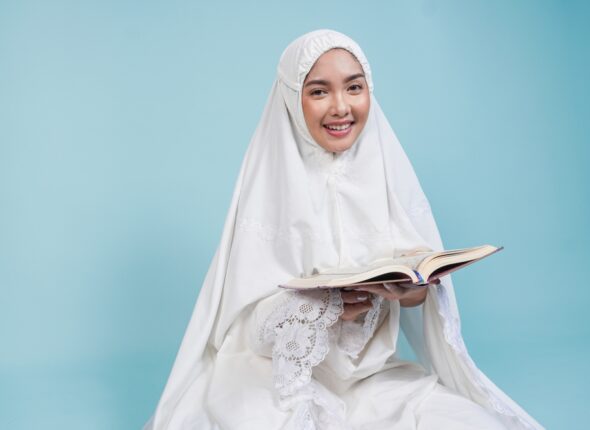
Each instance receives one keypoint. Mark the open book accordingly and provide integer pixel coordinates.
(418, 268)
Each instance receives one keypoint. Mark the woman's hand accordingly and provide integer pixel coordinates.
(355, 304)
(358, 301)
(409, 295)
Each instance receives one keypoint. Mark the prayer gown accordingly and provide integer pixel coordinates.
(358, 384)
(256, 357)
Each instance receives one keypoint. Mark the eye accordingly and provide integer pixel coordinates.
(355, 88)
(317, 92)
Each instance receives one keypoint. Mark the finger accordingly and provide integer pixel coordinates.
(371, 288)
(396, 288)
(354, 296)
(393, 293)
(352, 311)
(389, 290)
(355, 315)
(381, 289)
(405, 285)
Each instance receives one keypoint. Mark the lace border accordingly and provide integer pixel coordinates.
(298, 328)
(452, 334)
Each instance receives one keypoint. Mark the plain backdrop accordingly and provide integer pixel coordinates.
(122, 128)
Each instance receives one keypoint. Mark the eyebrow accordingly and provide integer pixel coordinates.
(324, 82)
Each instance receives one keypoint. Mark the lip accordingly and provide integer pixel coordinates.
(339, 133)
(346, 121)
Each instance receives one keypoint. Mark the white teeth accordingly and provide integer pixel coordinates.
(338, 127)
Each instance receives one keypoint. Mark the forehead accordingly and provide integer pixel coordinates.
(334, 62)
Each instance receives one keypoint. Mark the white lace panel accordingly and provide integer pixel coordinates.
(354, 335)
(298, 331)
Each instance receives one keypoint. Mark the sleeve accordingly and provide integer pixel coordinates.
(297, 330)
(353, 336)
(291, 327)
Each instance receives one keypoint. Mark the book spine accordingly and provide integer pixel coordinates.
(420, 278)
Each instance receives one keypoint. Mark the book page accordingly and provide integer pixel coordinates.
(416, 266)
(412, 261)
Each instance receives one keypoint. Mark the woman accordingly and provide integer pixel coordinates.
(325, 184)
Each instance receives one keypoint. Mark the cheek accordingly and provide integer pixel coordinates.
(313, 114)
(362, 110)
(307, 111)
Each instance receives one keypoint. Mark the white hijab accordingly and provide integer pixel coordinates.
(297, 207)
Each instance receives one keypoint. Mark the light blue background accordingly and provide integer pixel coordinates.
(122, 127)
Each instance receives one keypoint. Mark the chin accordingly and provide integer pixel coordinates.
(342, 148)
(336, 146)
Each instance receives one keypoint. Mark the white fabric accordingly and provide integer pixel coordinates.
(297, 330)
(297, 208)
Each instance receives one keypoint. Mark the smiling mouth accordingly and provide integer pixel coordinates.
(340, 130)
(341, 127)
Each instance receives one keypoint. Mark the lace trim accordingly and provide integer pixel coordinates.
(317, 410)
(354, 335)
(452, 333)
(270, 233)
(304, 417)
(298, 328)
(312, 416)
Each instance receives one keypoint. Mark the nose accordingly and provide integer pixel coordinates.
(340, 105)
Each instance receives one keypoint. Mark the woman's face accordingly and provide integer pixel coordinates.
(335, 99)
